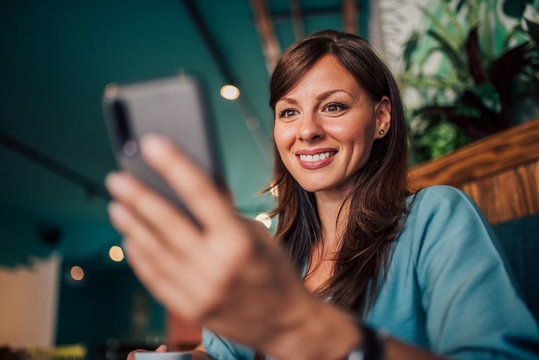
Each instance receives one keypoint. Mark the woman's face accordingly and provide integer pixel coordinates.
(325, 127)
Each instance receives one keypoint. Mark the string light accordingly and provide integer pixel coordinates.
(230, 92)
(77, 273)
(116, 253)
(264, 219)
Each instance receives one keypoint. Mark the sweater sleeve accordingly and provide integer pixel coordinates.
(472, 306)
(219, 348)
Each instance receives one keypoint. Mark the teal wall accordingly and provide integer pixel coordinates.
(108, 310)
(55, 59)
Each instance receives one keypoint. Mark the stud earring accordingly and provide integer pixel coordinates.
(381, 132)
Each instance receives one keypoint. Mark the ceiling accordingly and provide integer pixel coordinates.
(56, 58)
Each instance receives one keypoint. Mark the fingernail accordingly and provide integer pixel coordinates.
(153, 145)
(161, 348)
(117, 212)
(115, 183)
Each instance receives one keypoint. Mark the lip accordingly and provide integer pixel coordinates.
(311, 165)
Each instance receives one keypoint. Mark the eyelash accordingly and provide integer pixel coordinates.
(283, 113)
(339, 106)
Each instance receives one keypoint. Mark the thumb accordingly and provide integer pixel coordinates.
(161, 348)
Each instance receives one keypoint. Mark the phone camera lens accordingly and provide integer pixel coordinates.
(126, 141)
(130, 148)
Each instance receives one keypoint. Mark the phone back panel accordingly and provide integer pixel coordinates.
(173, 107)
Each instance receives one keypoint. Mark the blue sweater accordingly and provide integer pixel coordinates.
(447, 288)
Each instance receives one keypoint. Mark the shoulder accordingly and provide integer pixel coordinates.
(458, 265)
(443, 220)
(439, 208)
(440, 198)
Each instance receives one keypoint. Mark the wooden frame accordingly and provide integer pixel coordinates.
(500, 172)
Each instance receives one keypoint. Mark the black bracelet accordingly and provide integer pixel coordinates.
(372, 347)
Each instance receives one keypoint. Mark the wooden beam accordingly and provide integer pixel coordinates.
(264, 24)
(297, 19)
(349, 15)
(513, 147)
(500, 172)
(317, 12)
(508, 195)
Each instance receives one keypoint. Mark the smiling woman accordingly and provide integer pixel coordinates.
(328, 123)
(363, 253)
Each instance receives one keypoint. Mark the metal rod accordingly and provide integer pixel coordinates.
(210, 42)
(297, 19)
(91, 187)
(349, 15)
(252, 122)
(264, 24)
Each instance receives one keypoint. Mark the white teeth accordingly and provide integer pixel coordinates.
(317, 157)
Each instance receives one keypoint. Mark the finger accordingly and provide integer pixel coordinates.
(162, 348)
(166, 262)
(177, 298)
(131, 355)
(194, 276)
(168, 222)
(131, 227)
(191, 183)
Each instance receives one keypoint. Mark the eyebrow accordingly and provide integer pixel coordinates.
(320, 97)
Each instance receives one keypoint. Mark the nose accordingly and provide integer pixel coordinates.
(310, 128)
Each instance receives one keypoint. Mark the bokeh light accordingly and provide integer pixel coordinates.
(116, 253)
(77, 273)
(264, 219)
(230, 92)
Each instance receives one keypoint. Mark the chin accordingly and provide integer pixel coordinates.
(310, 187)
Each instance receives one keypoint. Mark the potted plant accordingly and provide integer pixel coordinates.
(471, 74)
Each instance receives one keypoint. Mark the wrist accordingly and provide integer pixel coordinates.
(372, 346)
(320, 331)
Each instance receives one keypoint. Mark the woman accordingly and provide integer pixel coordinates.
(422, 268)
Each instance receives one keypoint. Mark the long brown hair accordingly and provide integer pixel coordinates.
(377, 201)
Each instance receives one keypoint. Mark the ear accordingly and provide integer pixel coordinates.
(382, 112)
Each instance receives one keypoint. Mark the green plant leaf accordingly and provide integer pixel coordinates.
(451, 52)
(409, 48)
(459, 32)
(489, 96)
(533, 30)
(466, 118)
(460, 4)
(475, 66)
(502, 72)
(514, 8)
(441, 29)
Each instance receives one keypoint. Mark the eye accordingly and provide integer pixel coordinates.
(334, 107)
(286, 113)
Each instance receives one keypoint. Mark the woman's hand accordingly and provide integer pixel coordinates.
(227, 274)
(131, 355)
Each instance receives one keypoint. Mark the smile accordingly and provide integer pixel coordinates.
(312, 160)
(317, 157)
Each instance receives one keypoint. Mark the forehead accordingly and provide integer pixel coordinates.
(326, 74)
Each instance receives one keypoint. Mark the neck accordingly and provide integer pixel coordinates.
(324, 252)
(329, 205)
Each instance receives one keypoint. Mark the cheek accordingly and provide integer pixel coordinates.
(284, 138)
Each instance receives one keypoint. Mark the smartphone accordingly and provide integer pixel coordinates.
(172, 106)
